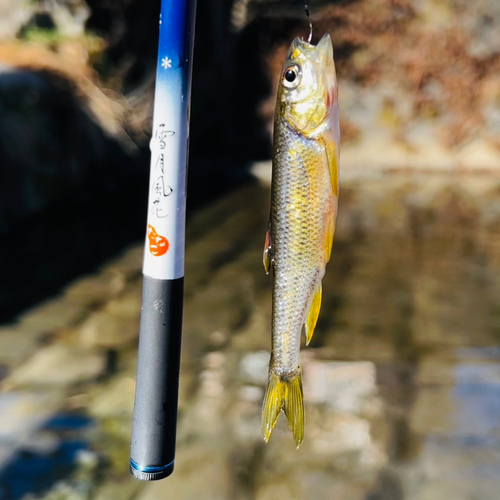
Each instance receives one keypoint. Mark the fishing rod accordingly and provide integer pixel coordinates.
(154, 425)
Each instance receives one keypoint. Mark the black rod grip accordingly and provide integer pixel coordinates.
(154, 426)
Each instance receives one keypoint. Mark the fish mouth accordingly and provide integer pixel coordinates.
(320, 52)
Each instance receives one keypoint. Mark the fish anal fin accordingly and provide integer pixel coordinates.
(313, 314)
(267, 257)
(284, 392)
(330, 232)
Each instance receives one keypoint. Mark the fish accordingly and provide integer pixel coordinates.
(304, 201)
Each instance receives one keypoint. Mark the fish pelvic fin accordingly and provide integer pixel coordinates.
(284, 392)
(313, 314)
(267, 257)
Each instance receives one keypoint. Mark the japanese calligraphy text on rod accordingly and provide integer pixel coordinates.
(164, 255)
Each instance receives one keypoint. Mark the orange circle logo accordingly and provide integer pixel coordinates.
(158, 245)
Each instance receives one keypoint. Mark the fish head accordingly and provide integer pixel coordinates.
(308, 93)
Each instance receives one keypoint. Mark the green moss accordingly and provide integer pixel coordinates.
(52, 37)
(114, 442)
(40, 35)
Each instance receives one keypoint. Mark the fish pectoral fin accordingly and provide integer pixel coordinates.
(312, 315)
(284, 393)
(267, 257)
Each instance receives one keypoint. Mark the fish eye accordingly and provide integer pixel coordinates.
(291, 77)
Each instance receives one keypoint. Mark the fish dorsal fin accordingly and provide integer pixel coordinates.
(312, 315)
(325, 48)
(267, 257)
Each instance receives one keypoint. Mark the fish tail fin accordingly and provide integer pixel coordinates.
(284, 392)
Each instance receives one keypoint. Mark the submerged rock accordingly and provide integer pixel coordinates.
(254, 367)
(58, 365)
(103, 329)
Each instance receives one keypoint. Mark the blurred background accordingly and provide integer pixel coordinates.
(402, 378)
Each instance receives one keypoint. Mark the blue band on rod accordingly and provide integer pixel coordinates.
(148, 469)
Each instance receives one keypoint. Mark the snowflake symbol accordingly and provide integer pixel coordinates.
(166, 62)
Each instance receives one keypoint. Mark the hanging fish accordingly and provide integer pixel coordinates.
(302, 221)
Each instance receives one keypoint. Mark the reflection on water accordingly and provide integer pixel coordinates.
(49, 453)
(402, 378)
(419, 297)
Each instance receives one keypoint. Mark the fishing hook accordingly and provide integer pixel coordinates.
(310, 24)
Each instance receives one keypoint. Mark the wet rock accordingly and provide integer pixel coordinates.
(129, 264)
(231, 285)
(50, 316)
(115, 400)
(436, 370)
(217, 339)
(255, 335)
(22, 414)
(93, 290)
(42, 443)
(125, 489)
(15, 346)
(339, 434)
(251, 393)
(388, 487)
(102, 329)
(127, 306)
(342, 386)
(205, 415)
(86, 460)
(431, 410)
(314, 483)
(286, 488)
(69, 16)
(6, 453)
(254, 367)
(448, 468)
(58, 365)
(467, 408)
(13, 15)
(199, 473)
(244, 418)
(66, 490)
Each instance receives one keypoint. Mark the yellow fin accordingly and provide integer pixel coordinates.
(332, 159)
(330, 232)
(267, 256)
(284, 393)
(312, 315)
